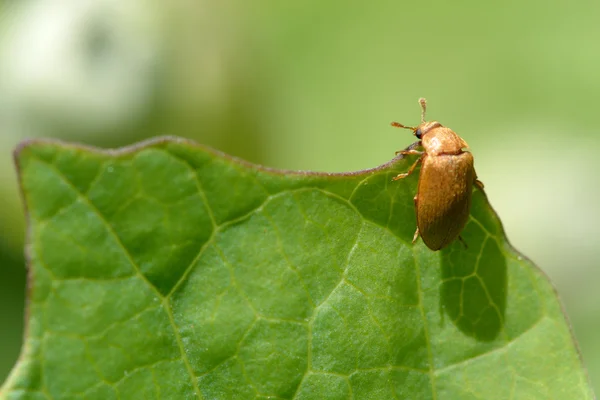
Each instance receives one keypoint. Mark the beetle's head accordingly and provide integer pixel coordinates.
(424, 126)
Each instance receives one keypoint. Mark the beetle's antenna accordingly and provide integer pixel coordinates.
(423, 104)
(399, 125)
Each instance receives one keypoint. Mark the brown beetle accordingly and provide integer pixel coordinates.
(447, 176)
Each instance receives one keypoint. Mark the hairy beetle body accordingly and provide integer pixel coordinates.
(446, 179)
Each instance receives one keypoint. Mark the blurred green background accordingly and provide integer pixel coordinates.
(313, 85)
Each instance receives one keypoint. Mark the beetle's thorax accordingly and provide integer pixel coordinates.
(437, 139)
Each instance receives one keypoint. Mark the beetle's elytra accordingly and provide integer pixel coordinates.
(447, 176)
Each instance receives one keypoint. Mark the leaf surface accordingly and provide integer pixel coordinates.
(168, 270)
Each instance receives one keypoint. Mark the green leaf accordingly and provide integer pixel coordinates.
(169, 270)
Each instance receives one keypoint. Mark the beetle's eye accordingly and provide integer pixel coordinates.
(418, 133)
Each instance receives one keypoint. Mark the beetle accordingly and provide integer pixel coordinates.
(446, 179)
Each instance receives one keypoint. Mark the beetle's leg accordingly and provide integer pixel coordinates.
(410, 170)
(411, 147)
(408, 152)
(479, 184)
(414, 145)
(416, 235)
(463, 240)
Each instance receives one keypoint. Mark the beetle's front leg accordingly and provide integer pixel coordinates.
(411, 149)
(410, 170)
(409, 152)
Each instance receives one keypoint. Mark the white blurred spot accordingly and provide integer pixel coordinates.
(90, 65)
(545, 189)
